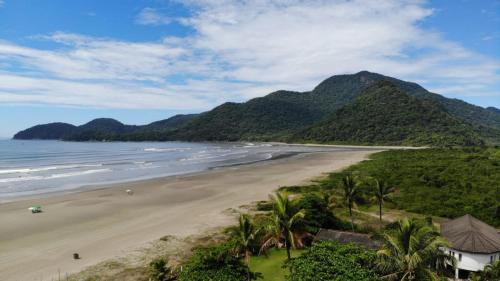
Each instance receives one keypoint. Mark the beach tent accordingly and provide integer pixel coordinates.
(35, 209)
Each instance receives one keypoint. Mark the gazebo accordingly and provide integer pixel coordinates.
(474, 244)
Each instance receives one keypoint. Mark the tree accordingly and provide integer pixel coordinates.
(350, 194)
(318, 213)
(283, 224)
(382, 193)
(411, 251)
(217, 263)
(334, 262)
(491, 272)
(245, 235)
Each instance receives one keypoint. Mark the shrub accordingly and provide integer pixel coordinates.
(334, 262)
(318, 215)
(217, 263)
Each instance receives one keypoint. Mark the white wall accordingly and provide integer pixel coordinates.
(472, 262)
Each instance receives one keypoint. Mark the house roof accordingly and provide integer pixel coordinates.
(469, 234)
(346, 237)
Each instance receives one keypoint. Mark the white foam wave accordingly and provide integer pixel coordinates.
(153, 149)
(81, 173)
(48, 168)
(20, 179)
(54, 176)
(207, 156)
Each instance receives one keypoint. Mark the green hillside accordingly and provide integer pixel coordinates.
(281, 115)
(384, 114)
(287, 115)
(257, 119)
(49, 131)
(105, 129)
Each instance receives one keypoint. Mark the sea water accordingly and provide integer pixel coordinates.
(31, 168)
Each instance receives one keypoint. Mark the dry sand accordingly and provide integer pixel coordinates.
(106, 223)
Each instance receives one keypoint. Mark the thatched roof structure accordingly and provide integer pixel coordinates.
(471, 235)
(347, 237)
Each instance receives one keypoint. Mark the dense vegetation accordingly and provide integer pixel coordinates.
(49, 131)
(335, 262)
(384, 114)
(216, 263)
(105, 129)
(441, 182)
(411, 250)
(286, 115)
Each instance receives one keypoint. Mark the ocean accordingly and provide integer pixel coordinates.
(34, 168)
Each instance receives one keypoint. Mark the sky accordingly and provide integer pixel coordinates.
(144, 60)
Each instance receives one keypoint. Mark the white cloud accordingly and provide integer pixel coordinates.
(305, 41)
(91, 58)
(243, 49)
(150, 16)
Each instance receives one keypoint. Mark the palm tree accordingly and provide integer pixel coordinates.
(245, 235)
(490, 272)
(350, 194)
(411, 251)
(283, 224)
(382, 193)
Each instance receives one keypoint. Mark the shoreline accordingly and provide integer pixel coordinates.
(105, 223)
(103, 185)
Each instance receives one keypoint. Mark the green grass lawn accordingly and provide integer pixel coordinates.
(271, 266)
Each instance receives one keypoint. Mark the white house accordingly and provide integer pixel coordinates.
(474, 243)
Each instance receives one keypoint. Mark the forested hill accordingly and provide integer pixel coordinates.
(288, 115)
(103, 129)
(385, 114)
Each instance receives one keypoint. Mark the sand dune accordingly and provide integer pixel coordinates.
(106, 223)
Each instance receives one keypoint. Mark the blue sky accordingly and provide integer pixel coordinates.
(141, 61)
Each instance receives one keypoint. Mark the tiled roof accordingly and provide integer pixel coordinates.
(346, 237)
(469, 234)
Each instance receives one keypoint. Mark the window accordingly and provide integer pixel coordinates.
(492, 259)
(459, 257)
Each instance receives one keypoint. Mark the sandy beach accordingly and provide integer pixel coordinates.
(106, 223)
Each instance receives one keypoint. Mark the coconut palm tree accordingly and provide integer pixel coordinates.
(490, 272)
(350, 194)
(411, 251)
(245, 235)
(283, 225)
(382, 193)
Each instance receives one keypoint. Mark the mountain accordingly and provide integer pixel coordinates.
(347, 87)
(49, 131)
(100, 129)
(279, 115)
(103, 129)
(168, 124)
(257, 119)
(494, 110)
(284, 115)
(386, 114)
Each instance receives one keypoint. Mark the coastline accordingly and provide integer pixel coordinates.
(110, 184)
(105, 222)
(90, 187)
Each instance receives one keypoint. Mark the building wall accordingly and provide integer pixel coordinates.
(471, 261)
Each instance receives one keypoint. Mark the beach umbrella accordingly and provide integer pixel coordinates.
(35, 209)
